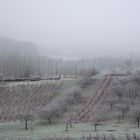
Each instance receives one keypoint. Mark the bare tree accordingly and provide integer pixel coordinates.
(136, 114)
(26, 118)
(62, 104)
(118, 90)
(111, 101)
(75, 93)
(95, 121)
(123, 108)
(47, 113)
(68, 121)
(132, 91)
(87, 77)
(117, 115)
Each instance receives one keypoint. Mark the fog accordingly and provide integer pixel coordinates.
(74, 28)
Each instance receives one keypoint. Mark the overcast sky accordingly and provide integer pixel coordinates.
(74, 27)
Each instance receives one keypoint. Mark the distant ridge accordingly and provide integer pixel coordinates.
(11, 46)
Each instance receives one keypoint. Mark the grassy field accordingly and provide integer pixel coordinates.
(40, 131)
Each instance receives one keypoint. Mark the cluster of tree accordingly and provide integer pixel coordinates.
(59, 106)
(121, 103)
(16, 65)
(87, 77)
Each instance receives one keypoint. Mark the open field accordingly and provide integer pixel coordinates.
(14, 130)
(39, 129)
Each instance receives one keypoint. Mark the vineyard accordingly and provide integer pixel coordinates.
(20, 100)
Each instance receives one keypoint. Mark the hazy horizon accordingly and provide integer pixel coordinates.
(74, 28)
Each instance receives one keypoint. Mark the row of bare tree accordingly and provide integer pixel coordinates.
(17, 66)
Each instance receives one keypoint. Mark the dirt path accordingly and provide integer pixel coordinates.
(90, 108)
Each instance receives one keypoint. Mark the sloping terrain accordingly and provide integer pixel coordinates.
(10, 46)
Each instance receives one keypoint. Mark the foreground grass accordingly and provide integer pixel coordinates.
(40, 131)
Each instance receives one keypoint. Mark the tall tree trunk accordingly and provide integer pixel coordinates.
(123, 114)
(71, 124)
(95, 127)
(26, 124)
(138, 121)
(49, 120)
(66, 127)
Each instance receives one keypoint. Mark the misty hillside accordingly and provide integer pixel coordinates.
(20, 47)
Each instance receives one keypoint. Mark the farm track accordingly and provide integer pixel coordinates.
(92, 105)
